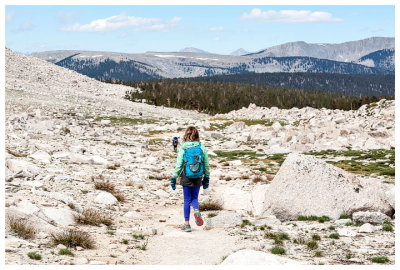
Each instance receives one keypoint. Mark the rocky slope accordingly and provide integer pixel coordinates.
(69, 136)
(191, 62)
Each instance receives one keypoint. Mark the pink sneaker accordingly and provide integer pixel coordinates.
(197, 216)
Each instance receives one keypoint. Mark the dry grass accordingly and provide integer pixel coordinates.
(16, 154)
(157, 177)
(92, 217)
(104, 185)
(21, 227)
(113, 166)
(140, 186)
(73, 238)
(119, 196)
(130, 183)
(257, 179)
(211, 206)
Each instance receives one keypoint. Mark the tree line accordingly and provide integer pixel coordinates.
(223, 97)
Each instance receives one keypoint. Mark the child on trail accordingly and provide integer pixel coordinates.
(175, 143)
(191, 165)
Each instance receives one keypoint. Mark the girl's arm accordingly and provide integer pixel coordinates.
(179, 164)
(206, 164)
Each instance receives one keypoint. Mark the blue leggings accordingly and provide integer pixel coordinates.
(190, 195)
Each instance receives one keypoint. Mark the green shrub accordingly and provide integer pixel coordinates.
(312, 245)
(245, 222)
(380, 259)
(138, 236)
(323, 219)
(65, 252)
(318, 253)
(210, 215)
(316, 237)
(387, 227)
(34, 256)
(334, 236)
(278, 250)
(331, 228)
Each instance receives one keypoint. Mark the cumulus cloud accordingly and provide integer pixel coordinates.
(289, 16)
(10, 16)
(217, 28)
(123, 21)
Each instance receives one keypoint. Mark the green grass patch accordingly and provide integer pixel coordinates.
(312, 245)
(344, 216)
(313, 218)
(245, 222)
(210, 215)
(316, 237)
(138, 236)
(387, 226)
(380, 259)
(237, 154)
(334, 236)
(375, 161)
(34, 256)
(65, 251)
(278, 250)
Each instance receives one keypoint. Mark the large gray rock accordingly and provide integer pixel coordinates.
(61, 216)
(41, 156)
(309, 186)
(370, 217)
(390, 197)
(224, 221)
(253, 257)
(105, 198)
(258, 198)
(17, 165)
(234, 199)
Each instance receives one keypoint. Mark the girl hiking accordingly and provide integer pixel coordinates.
(191, 165)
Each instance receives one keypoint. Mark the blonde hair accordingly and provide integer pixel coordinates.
(191, 134)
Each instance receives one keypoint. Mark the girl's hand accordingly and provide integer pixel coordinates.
(173, 183)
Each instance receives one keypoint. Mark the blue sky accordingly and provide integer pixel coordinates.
(217, 29)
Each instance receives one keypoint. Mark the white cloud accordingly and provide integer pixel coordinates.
(289, 16)
(217, 28)
(123, 21)
(10, 16)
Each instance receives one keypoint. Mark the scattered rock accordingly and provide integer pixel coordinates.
(105, 198)
(370, 217)
(224, 221)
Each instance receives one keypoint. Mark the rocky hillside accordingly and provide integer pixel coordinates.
(191, 62)
(87, 179)
(344, 52)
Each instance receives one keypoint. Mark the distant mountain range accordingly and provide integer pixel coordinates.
(369, 56)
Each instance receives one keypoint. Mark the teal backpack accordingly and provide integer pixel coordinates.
(193, 162)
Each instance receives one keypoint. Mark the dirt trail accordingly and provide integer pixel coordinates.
(201, 246)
